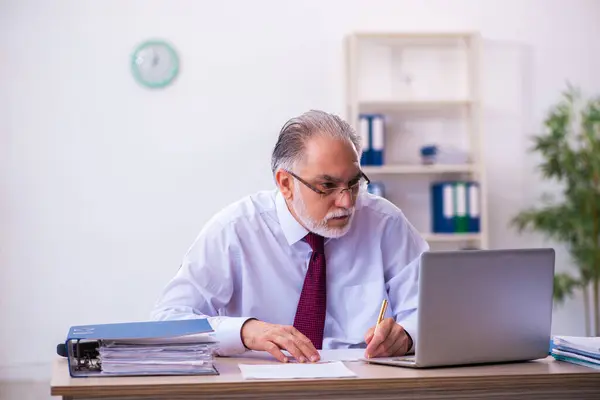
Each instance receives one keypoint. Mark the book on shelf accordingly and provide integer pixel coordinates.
(372, 133)
(455, 207)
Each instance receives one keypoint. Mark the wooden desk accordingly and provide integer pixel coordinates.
(547, 379)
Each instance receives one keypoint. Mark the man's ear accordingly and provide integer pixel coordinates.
(285, 183)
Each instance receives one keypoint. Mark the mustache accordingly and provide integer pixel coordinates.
(339, 213)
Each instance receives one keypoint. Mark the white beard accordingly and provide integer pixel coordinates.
(321, 228)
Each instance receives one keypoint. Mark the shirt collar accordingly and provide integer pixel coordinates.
(292, 229)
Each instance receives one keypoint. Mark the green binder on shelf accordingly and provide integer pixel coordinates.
(461, 224)
(455, 207)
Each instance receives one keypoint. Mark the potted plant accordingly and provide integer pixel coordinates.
(570, 150)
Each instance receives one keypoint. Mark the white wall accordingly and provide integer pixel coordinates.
(104, 184)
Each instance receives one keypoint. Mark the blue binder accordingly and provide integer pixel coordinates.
(443, 208)
(376, 188)
(377, 139)
(461, 223)
(78, 360)
(473, 207)
(364, 130)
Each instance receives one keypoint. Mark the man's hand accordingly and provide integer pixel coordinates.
(390, 339)
(259, 335)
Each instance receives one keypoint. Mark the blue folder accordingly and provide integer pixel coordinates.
(139, 330)
(377, 139)
(79, 358)
(443, 209)
(456, 207)
(473, 208)
(364, 130)
(376, 188)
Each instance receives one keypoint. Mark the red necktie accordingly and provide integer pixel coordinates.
(310, 314)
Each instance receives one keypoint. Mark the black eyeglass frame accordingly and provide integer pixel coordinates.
(323, 193)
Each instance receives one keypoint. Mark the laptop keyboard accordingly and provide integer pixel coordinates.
(404, 358)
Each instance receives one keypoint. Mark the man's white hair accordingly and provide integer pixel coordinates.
(291, 143)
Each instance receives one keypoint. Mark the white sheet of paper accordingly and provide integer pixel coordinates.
(589, 344)
(296, 371)
(326, 355)
(342, 355)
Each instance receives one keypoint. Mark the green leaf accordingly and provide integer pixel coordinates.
(564, 287)
(569, 147)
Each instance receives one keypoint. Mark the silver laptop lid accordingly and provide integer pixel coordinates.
(484, 306)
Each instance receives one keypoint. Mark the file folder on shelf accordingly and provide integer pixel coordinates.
(377, 139)
(460, 199)
(181, 347)
(364, 130)
(443, 208)
(473, 207)
(455, 207)
(371, 129)
(376, 188)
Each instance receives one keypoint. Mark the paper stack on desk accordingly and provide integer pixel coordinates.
(143, 348)
(577, 350)
(166, 358)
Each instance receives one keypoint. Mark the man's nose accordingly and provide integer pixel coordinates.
(344, 199)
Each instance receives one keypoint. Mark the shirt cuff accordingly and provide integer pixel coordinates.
(410, 326)
(228, 331)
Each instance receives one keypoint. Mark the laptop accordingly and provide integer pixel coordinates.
(482, 306)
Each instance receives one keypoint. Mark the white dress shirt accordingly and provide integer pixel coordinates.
(249, 261)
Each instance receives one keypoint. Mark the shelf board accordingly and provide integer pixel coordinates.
(414, 105)
(416, 38)
(419, 169)
(414, 35)
(451, 237)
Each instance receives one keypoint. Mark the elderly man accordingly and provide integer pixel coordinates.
(305, 266)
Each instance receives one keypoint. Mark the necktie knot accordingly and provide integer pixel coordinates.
(316, 242)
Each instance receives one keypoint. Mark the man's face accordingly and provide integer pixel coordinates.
(328, 164)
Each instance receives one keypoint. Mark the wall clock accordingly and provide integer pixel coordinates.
(155, 64)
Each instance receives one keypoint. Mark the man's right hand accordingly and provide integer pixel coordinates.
(259, 335)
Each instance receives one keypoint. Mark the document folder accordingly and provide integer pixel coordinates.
(443, 207)
(473, 207)
(364, 130)
(377, 139)
(181, 347)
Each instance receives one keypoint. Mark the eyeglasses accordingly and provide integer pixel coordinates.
(353, 188)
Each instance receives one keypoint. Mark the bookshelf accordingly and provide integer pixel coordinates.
(427, 87)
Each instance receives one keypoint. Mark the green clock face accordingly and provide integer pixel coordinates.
(154, 64)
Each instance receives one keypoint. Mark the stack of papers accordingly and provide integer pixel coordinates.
(166, 358)
(181, 347)
(577, 350)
